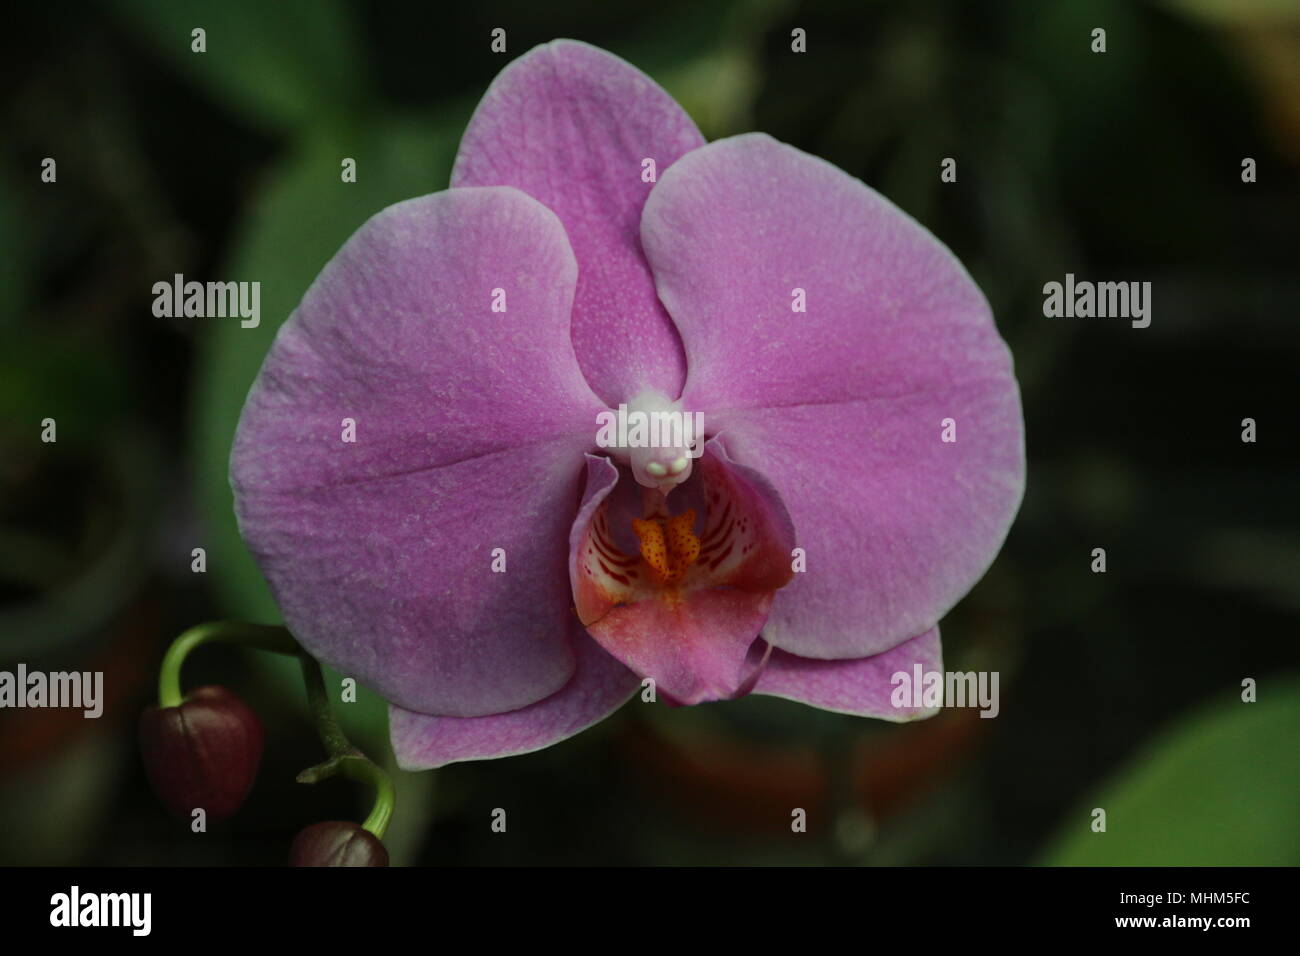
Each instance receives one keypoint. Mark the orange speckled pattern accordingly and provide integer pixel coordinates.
(668, 545)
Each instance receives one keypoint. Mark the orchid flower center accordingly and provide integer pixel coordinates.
(655, 438)
(657, 556)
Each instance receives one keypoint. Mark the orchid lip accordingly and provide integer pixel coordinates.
(654, 546)
(677, 587)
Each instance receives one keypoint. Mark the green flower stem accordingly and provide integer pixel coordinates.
(262, 636)
(344, 758)
(359, 767)
(331, 734)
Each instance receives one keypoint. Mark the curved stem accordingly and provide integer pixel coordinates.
(385, 795)
(344, 758)
(263, 636)
(331, 734)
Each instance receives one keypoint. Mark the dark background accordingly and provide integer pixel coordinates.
(1119, 690)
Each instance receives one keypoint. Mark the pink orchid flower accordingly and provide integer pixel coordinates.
(505, 581)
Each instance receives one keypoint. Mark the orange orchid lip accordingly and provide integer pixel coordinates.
(735, 547)
(681, 597)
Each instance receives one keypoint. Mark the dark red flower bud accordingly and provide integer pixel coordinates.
(203, 753)
(337, 843)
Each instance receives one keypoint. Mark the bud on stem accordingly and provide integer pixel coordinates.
(337, 843)
(203, 753)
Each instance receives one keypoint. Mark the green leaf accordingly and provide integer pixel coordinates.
(1221, 788)
(275, 62)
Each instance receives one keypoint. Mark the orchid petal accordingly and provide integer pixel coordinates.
(843, 407)
(598, 687)
(571, 125)
(863, 687)
(469, 427)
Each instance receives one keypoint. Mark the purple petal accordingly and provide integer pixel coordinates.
(570, 125)
(598, 687)
(842, 407)
(470, 427)
(862, 687)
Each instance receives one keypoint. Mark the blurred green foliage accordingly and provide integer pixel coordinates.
(281, 65)
(1219, 788)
